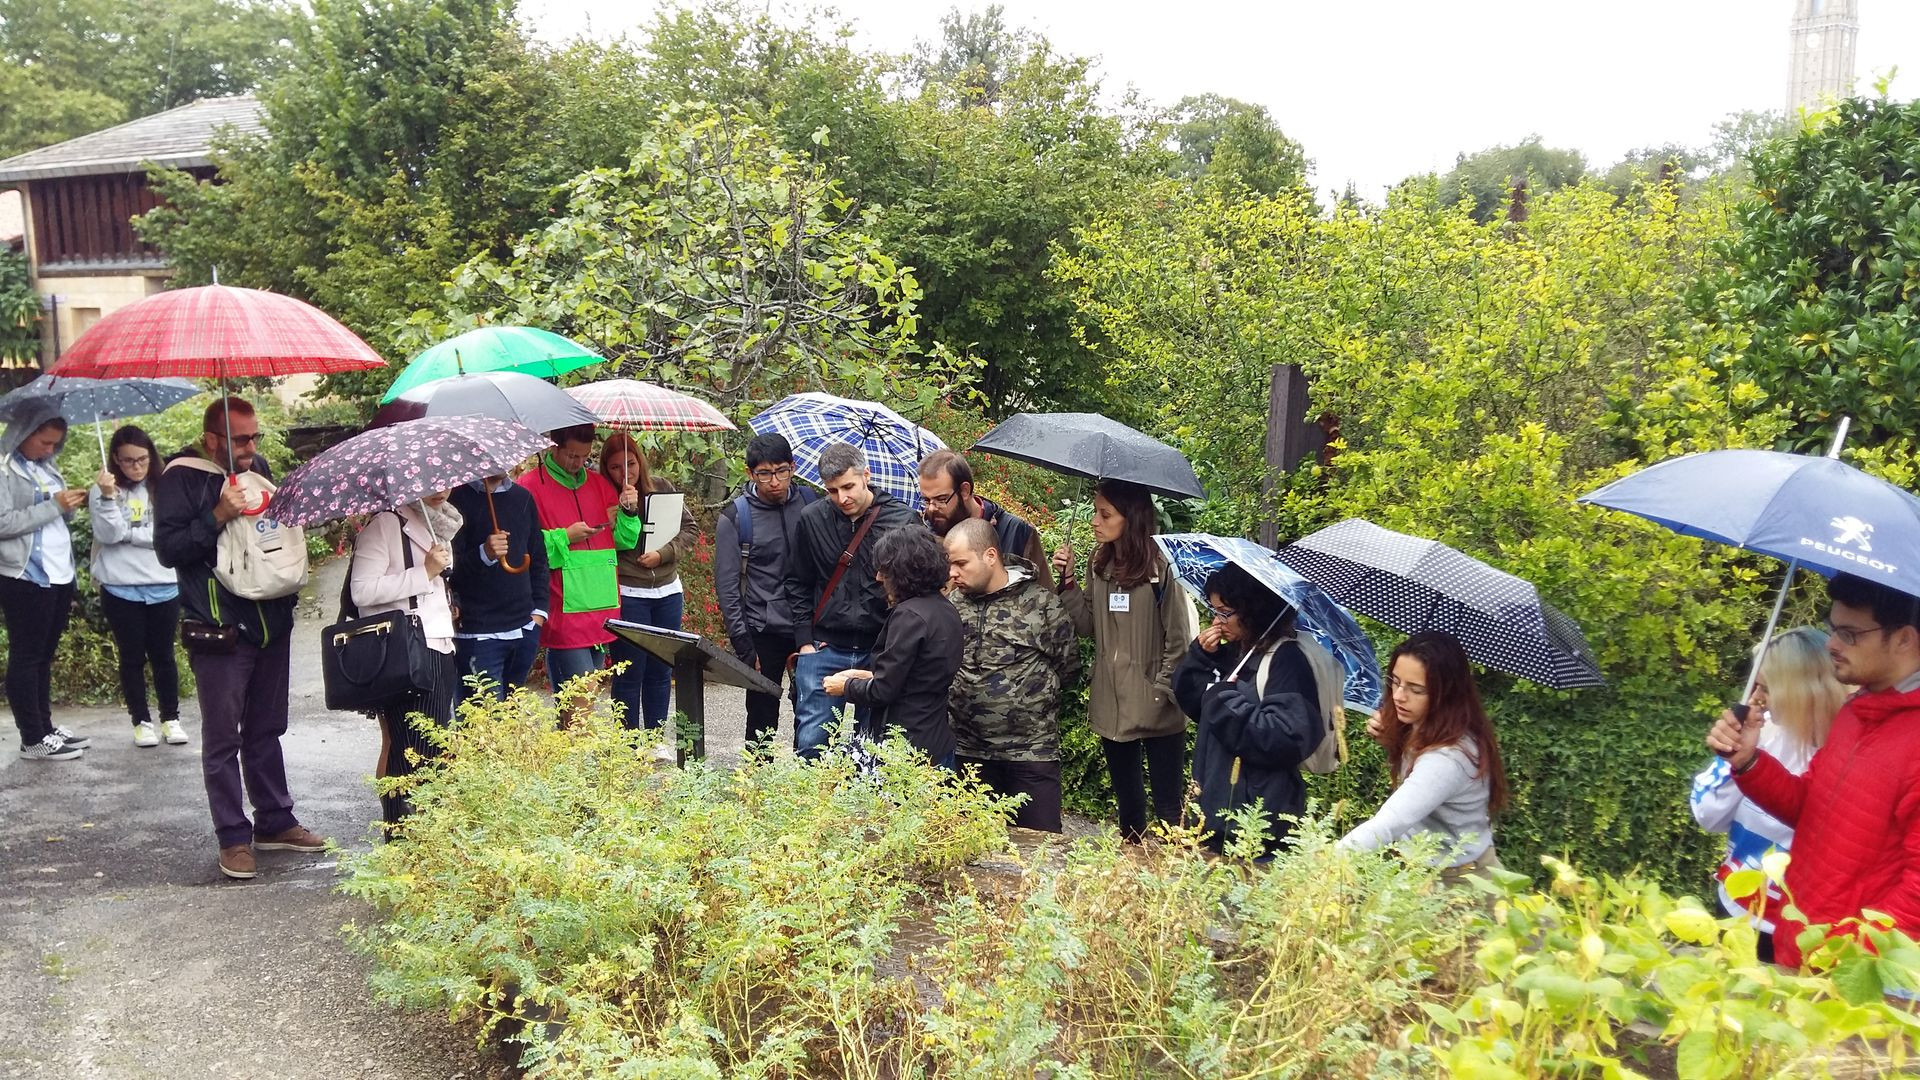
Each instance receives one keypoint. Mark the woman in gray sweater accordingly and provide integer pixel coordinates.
(140, 597)
(1442, 753)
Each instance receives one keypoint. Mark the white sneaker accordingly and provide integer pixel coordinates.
(51, 748)
(143, 735)
(78, 742)
(173, 733)
(666, 752)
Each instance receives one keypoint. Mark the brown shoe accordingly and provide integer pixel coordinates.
(298, 838)
(237, 861)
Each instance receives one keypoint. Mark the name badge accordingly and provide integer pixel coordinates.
(1119, 601)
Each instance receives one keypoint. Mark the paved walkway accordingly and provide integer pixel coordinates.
(124, 953)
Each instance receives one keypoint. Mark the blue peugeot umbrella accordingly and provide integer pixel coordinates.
(1811, 511)
(894, 445)
(1195, 556)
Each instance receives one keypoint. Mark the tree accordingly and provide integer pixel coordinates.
(976, 57)
(68, 67)
(19, 310)
(1231, 140)
(1486, 179)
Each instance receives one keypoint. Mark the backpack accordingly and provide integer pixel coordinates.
(257, 558)
(1330, 679)
(742, 518)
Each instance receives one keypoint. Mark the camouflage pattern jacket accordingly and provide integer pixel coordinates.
(1020, 652)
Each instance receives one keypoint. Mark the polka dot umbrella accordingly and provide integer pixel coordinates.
(1414, 584)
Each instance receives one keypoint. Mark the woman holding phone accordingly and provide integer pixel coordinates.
(36, 577)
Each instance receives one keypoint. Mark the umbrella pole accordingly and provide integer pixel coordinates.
(101, 439)
(1780, 601)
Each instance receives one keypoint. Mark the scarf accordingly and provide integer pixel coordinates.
(572, 481)
(444, 520)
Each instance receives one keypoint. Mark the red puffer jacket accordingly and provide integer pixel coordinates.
(1856, 818)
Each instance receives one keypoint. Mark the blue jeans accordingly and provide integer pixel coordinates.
(645, 689)
(813, 710)
(504, 662)
(566, 665)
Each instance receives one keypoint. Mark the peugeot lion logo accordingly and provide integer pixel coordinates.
(1852, 541)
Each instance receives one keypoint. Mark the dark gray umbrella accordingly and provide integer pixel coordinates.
(504, 395)
(1414, 584)
(1090, 445)
(96, 399)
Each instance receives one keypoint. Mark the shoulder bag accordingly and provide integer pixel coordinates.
(367, 662)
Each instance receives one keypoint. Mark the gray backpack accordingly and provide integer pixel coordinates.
(1331, 680)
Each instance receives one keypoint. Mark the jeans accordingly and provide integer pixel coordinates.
(501, 662)
(243, 713)
(143, 635)
(813, 710)
(1039, 781)
(1166, 763)
(770, 652)
(566, 665)
(36, 618)
(645, 689)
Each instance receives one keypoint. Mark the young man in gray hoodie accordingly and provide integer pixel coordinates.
(759, 525)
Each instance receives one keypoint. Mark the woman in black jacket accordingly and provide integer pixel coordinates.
(918, 652)
(1258, 718)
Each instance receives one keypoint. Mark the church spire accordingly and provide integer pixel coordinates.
(1820, 66)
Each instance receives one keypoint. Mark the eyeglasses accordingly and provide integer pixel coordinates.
(1851, 635)
(784, 472)
(941, 502)
(1221, 613)
(1395, 683)
(238, 439)
(130, 462)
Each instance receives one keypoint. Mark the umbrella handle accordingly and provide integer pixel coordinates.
(265, 497)
(525, 560)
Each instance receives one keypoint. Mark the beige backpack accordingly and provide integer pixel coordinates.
(1331, 680)
(257, 558)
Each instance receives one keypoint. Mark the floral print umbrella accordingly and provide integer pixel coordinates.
(391, 466)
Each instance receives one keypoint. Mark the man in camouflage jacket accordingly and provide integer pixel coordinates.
(1020, 652)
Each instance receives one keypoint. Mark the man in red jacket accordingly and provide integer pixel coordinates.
(1856, 810)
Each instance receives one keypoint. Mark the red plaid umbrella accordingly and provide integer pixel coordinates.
(213, 332)
(641, 406)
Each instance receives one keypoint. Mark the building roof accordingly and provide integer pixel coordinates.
(181, 138)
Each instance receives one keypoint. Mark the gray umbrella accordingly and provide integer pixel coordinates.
(1090, 445)
(95, 399)
(504, 395)
(1414, 584)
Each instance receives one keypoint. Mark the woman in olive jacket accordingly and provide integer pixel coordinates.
(1141, 621)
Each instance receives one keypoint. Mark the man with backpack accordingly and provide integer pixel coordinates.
(240, 576)
(760, 523)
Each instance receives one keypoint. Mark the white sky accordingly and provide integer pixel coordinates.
(1379, 89)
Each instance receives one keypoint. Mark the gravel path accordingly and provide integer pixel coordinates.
(124, 953)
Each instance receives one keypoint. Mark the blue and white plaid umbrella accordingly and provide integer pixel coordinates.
(95, 399)
(1195, 556)
(893, 444)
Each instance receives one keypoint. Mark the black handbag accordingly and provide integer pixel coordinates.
(367, 662)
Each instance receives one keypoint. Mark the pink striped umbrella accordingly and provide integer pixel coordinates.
(214, 332)
(642, 406)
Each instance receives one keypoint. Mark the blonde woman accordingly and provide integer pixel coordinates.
(1798, 696)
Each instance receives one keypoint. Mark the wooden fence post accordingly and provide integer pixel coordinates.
(1289, 437)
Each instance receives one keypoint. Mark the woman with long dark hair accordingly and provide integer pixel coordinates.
(918, 652)
(1141, 622)
(1251, 691)
(1448, 780)
(650, 590)
(140, 598)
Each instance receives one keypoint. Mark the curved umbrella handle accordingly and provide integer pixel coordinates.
(525, 560)
(265, 497)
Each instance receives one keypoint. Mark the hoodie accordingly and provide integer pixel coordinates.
(33, 529)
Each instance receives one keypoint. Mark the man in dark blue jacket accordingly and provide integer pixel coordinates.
(500, 584)
(760, 524)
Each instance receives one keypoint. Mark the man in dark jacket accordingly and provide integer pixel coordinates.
(837, 611)
(1020, 651)
(946, 486)
(500, 584)
(752, 589)
(242, 691)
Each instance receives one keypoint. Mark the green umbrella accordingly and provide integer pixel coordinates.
(495, 348)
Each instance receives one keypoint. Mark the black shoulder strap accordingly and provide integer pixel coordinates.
(349, 609)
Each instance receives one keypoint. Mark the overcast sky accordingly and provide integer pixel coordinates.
(1379, 89)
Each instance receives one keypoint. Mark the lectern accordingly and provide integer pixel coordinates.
(694, 660)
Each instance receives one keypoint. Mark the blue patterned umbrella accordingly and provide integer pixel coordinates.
(95, 399)
(893, 444)
(1195, 556)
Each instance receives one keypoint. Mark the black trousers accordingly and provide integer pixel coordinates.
(400, 736)
(770, 652)
(143, 633)
(36, 618)
(1166, 766)
(1039, 781)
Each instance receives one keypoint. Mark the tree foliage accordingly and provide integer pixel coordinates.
(19, 310)
(1236, 142)
(1485, 180)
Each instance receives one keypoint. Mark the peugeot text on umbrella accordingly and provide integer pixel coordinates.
(1853, 533)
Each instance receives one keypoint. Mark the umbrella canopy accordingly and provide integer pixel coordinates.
(893, 444)
(1090, 445)
(643, 406)
(216, 332)
(525, 349)
(391, 466)
(503, 395)
(1414, 584)
(95, 399)
(1195, 556)
(1816, 511)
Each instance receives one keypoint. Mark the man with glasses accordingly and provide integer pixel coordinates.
(760, 525)
(946, 486)
(1855, 812)
(242, 676)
